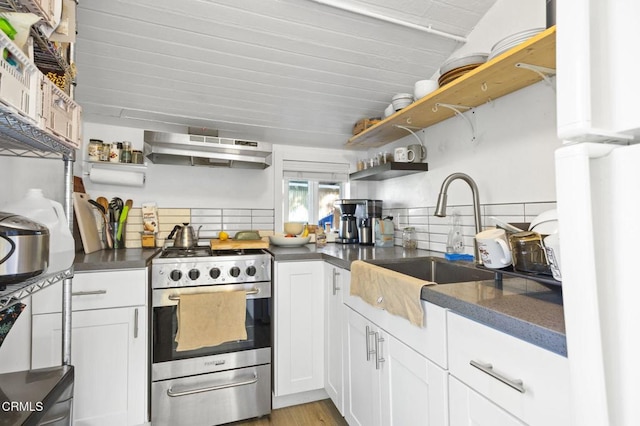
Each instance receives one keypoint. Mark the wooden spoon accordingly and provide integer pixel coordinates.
(103, 202)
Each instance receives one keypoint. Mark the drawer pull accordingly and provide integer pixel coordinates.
(177, 296)
(516, 384)
(379, 359)
(135, 324)
(89, 293)
(250, 381)
(335, 287)
(368, 334)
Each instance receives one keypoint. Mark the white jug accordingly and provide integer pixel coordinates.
(51, 214)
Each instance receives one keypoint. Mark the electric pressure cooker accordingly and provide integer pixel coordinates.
(24, 248)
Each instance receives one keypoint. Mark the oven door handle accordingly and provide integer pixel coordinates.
(177, 296)
(250, 381)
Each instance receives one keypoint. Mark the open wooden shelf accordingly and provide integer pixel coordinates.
(495, 78)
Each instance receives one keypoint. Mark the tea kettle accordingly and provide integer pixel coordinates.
(184, 236)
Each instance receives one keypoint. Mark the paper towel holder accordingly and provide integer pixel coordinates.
(135, 173)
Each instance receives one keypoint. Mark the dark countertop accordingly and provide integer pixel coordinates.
(114, 259)
(520, 307)
(36, 390)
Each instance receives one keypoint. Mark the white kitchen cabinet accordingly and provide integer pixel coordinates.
(429, 341)
(468, 408)
(110, 344)
(362, 381)
(299, 327)
(335, 327)
(414, 389)
(388, 383)
(526, 381)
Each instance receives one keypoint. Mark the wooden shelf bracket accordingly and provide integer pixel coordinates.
(456, 109)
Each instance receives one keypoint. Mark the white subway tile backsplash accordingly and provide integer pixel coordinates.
(534, 209)
(419, 211)
(433, 231)
(265, 213)
(206, 212)
(516, 210)
(236, 212)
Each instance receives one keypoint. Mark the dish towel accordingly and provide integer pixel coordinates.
(396, 293)
(209, 319)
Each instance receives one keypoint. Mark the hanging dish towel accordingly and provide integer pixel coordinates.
(209, 319)
(396, 293)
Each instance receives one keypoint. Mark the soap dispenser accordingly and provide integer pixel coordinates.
(455, 241)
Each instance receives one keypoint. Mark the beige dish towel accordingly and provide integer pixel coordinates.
(209, 319)
(396, 293)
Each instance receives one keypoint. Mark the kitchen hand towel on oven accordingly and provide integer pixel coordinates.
(209, 319)
(396, 293)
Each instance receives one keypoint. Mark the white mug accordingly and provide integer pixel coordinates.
(403, 155)
(419, 152)
(494, 248)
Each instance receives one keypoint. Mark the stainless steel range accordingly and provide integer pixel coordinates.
(213, 384)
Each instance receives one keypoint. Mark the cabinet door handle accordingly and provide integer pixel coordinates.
(335, 275)
(367, 337)
(516, 384)
(89, 293)
(135, 324)
(378, 351)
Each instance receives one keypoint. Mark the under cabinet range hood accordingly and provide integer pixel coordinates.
(212, 151)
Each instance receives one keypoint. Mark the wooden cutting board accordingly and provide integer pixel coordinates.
(91, 240)
(231, 244)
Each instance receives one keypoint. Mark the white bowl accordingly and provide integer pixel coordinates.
(281, 240)
(389, 110)
(423, 87)
(401, 100)
(545, 223)
(293, 228)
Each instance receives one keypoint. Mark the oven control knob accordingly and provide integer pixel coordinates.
(175, 275)
(251, 271)
(234, 272)
(214, 273)
(194, 274)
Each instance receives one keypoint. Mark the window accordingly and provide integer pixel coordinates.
(311, 201)
(310, 189)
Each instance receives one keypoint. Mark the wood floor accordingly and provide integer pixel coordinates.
(314, 413)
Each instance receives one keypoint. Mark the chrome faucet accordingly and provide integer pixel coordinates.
(441, 206)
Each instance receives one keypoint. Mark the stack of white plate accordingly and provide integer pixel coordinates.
(512, 41)
(457, 67)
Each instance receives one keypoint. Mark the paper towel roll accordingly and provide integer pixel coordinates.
(116, 177)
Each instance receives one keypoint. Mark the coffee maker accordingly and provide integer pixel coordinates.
(348, 229)
(367, 212)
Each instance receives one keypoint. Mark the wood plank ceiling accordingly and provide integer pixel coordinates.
(296, 72)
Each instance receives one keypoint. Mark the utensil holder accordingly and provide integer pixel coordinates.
(115, 235)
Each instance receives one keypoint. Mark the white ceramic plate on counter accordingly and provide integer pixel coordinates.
(281, 240)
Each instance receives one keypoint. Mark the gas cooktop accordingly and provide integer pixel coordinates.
(203, 251)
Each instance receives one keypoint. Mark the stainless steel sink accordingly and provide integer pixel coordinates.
(436, 269)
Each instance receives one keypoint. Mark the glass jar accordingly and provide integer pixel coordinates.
(409, 240)
(94, 149)
(104, 154)
(126, 154)
(114, 153)
(137, 157)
